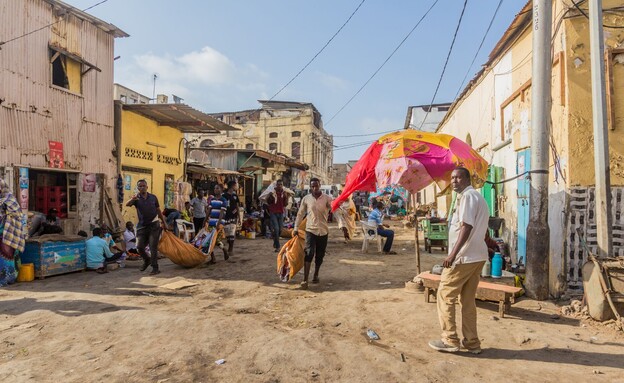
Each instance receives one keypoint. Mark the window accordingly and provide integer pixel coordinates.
(206, 143)
(273, 135)
(123, 99)
(66, 72)
(249, 146)
(273, 146)
(296, 150)
(296, 134)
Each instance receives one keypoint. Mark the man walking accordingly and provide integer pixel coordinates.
(316, 207)
(148, 229)
(460, 278)
(277, 203)
(376, 218)
(199, 205)
(231, 214)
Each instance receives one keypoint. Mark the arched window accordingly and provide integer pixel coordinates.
(273, 135)
(296, 150)
(249, 146)
(273, 146)
(206, 143)
(469, 139)
(296, 134)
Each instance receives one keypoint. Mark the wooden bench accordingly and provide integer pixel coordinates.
(486, 291)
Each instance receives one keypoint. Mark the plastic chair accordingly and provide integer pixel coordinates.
(370, 234)
(185, 228)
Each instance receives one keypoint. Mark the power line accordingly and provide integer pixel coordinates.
(587, 17)
(383, 64)
(365, 135)
(319, 52)
(49, 25)
(448, 56)
(461, 86)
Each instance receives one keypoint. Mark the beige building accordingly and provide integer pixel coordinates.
(294, 129)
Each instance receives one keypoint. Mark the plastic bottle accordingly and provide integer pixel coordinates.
(486, 270)
(497, 265)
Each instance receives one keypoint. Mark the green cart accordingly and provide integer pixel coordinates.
(435, 233)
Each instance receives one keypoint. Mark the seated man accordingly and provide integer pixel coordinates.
(130, 242)
(46, 224)
(376, 218)
(98, 252)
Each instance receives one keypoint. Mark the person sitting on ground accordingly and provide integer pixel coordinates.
(108, 237)
(376, 218)
(82, 233)
(130, 242)
(98, 252)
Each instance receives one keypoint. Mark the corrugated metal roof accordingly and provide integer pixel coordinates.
(103, 25)
(180, 116)
(212, 171)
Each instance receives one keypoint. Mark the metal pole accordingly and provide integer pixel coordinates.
(538, 232)
(601, 135)
(416, 234)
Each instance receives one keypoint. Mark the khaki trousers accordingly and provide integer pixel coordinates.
(459, 281)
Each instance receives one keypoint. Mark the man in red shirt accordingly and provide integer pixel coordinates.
(277, 202)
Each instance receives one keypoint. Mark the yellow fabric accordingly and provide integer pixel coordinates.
(291, 256)
(345, 215)
(180, 252)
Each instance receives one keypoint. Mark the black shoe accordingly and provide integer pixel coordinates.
(154, 272)
(145, 266)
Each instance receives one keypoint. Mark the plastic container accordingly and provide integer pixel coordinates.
(26, 272)
(486, 271)
(497, 265)
(252, 235)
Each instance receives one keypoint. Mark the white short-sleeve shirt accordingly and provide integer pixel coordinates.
(471, 209)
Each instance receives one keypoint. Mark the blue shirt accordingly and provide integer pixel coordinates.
(97, 249)
(376, 217)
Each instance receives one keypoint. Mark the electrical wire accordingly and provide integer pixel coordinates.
(383, 64)
(577, 6)
(49, 25)
(318, 53)
(461, 86)
(448, 56)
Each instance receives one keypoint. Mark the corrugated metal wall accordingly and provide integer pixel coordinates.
(32, 112)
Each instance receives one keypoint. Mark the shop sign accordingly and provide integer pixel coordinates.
(23, 186)
(56, 155)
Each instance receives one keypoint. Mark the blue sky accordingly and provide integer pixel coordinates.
(224, 55)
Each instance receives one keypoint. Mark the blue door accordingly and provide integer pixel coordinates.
(524, 187)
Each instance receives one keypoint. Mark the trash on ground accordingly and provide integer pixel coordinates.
(372, 335)
(220, 361)
(179, 285)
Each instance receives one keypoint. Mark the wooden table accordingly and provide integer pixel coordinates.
(486, 291)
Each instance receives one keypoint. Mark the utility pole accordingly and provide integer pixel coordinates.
(538, 232)
(601, 134)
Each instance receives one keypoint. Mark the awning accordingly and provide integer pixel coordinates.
(180, 116)
(213, 171)
(73, 57)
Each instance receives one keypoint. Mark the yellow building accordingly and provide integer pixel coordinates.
(294, 129)
(151, 146)
(493, 114)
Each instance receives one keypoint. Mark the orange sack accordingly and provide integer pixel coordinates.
(291, 257)
(179, 252)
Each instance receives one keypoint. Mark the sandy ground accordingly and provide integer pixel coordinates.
(123, 327)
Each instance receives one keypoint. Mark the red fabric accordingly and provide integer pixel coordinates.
(277, 203)
(362, 176)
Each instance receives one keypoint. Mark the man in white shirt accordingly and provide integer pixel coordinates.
(460, 278)
(316, 207)
(130, 241)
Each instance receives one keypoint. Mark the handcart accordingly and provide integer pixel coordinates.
(435, 233)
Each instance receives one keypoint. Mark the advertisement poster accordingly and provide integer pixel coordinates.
(88, 183)
(128, 182)
(56, 155)
(23, 185)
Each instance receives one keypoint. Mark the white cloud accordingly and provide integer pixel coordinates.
(205, 78)
(333, 82)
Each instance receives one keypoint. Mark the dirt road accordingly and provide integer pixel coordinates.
(123, 327)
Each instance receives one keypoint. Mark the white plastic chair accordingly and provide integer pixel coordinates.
(369, 232)
(185, 228)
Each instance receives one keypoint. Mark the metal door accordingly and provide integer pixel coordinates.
(524, 186)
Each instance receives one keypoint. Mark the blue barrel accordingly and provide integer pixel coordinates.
(497, 265)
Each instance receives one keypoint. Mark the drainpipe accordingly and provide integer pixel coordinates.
(601, 135)
(538, 232)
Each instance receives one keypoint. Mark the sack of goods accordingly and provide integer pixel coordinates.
(291, 256)
(179, 252)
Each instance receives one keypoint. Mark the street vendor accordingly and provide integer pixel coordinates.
(45, 224)
(277, 202)
(376, 218)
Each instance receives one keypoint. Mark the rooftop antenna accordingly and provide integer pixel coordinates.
(155, 76)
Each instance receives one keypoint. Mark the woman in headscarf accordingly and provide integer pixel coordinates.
(12, 234)
(346, 218)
